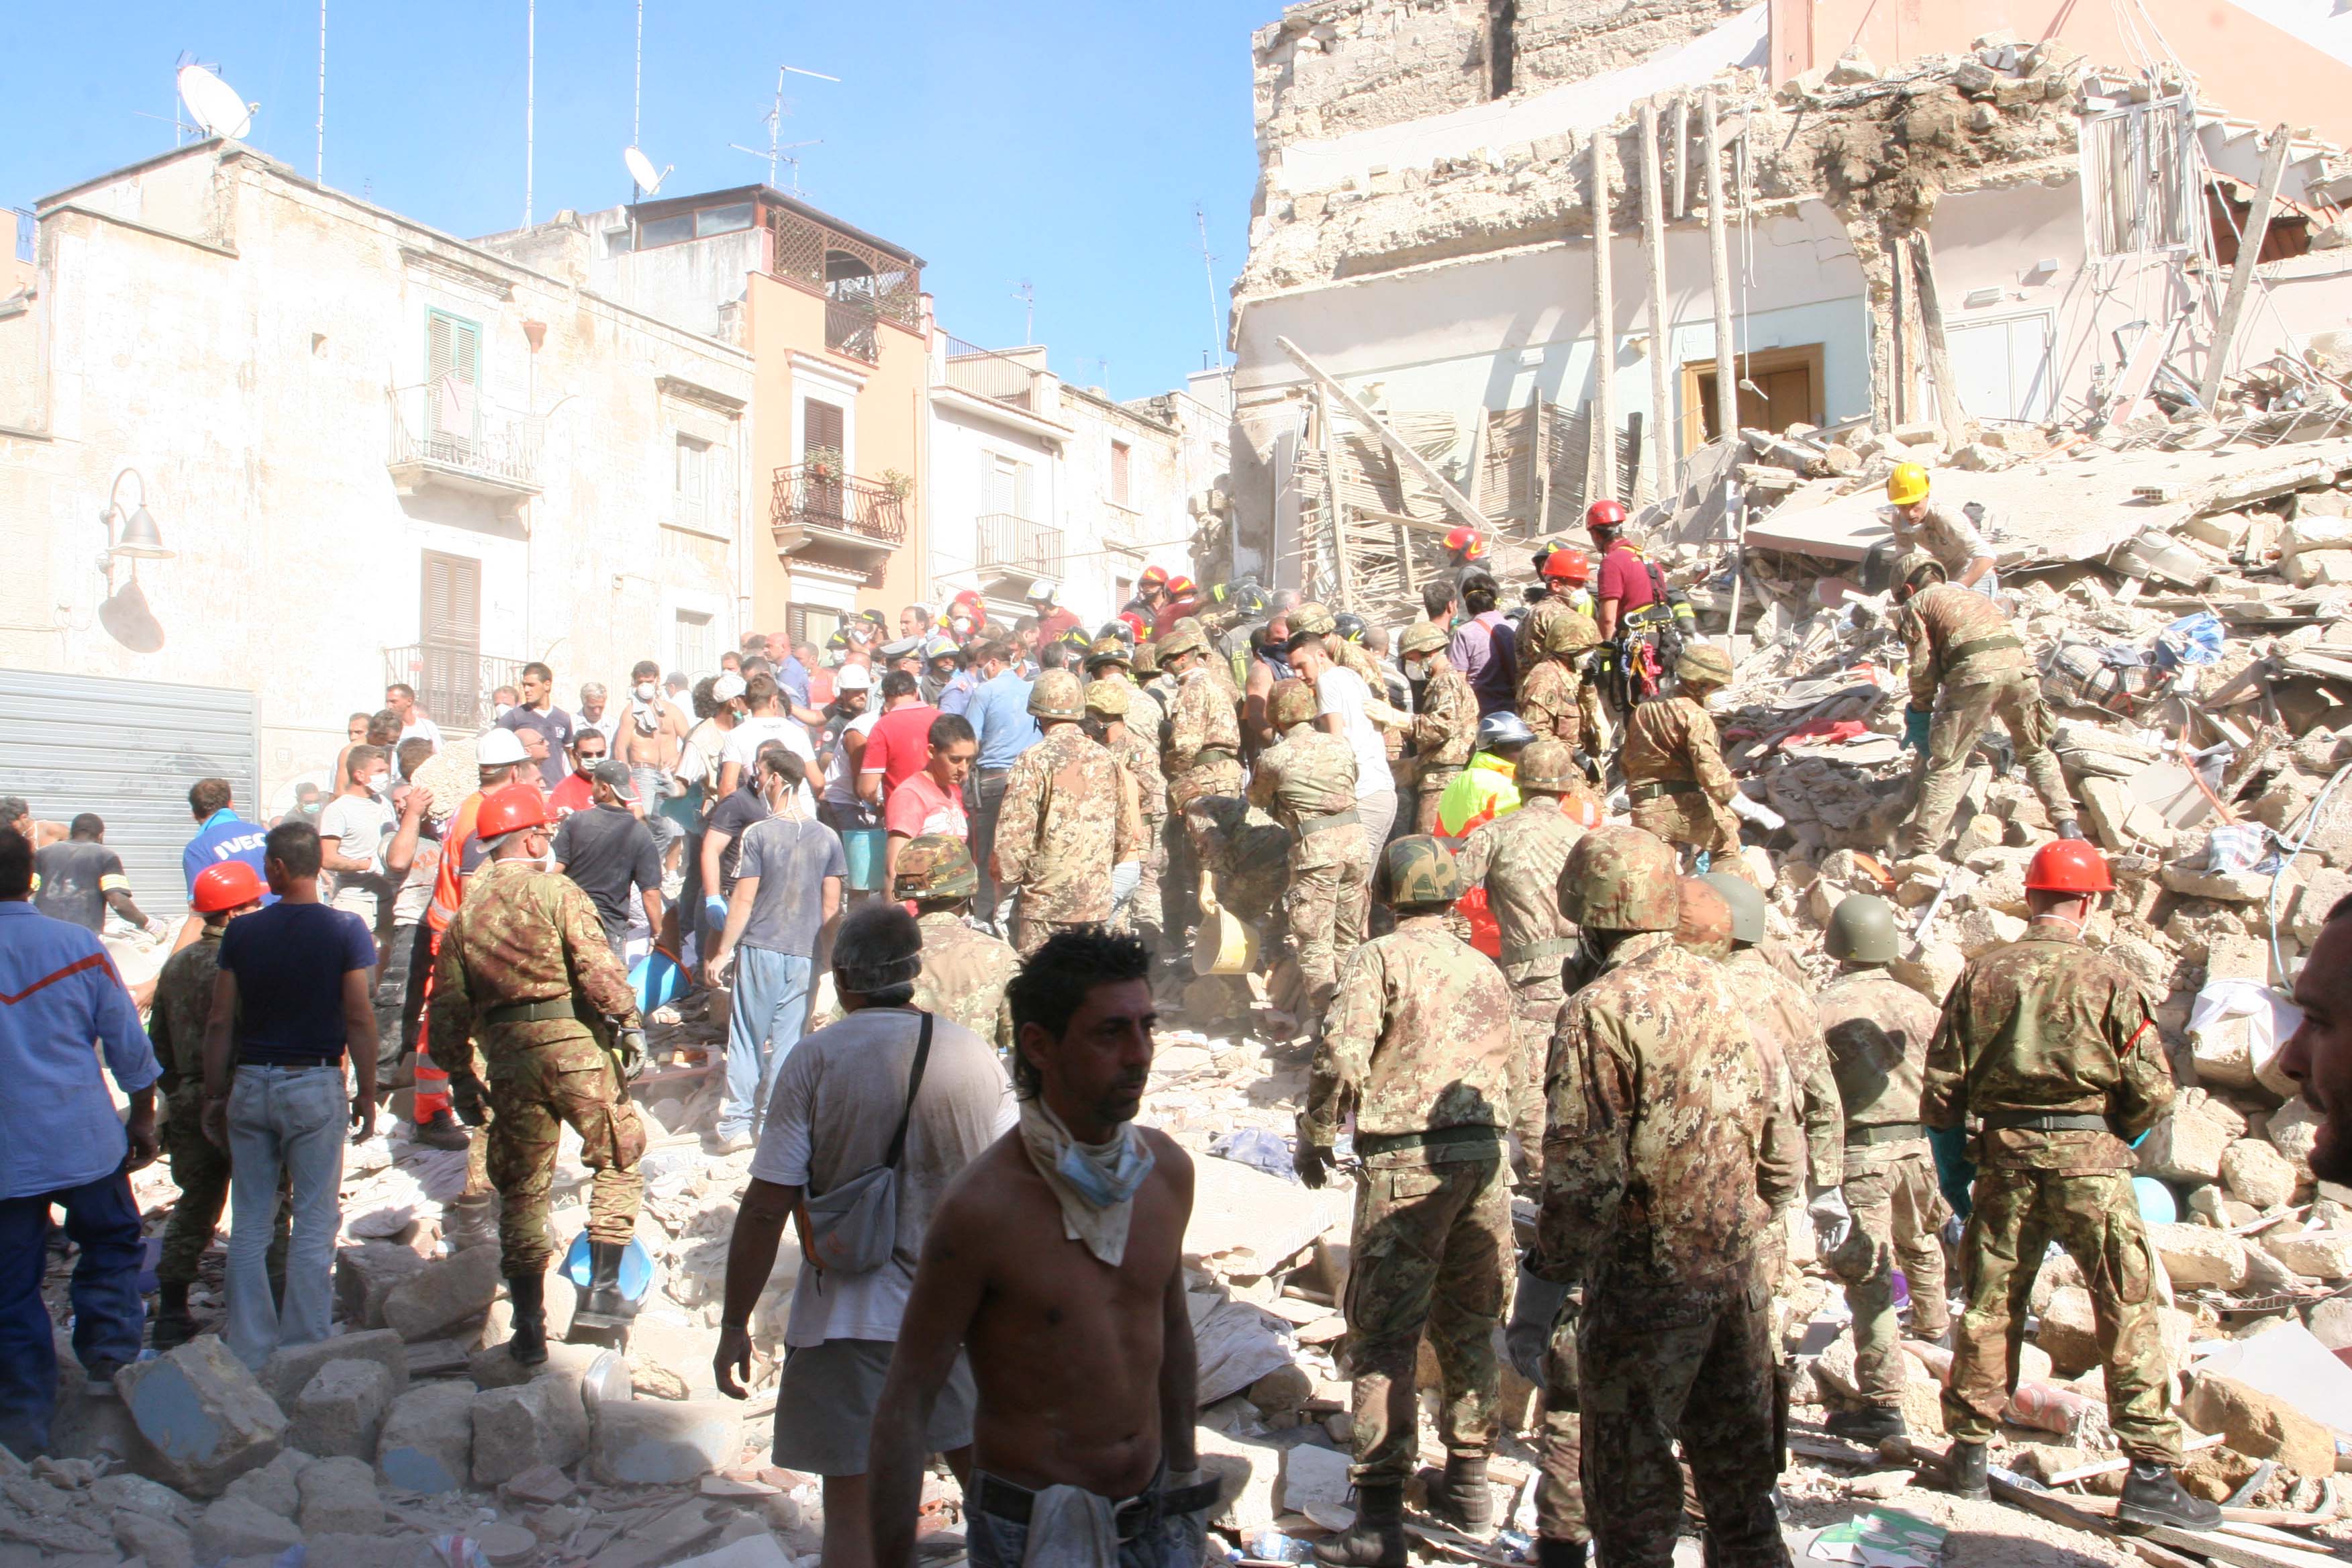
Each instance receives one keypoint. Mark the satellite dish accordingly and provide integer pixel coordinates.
(215, 105)
(641, 169)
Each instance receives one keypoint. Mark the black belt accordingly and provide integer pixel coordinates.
(1548, 948)
(531, 1012)
(1653, 788)
(1368, 1145)
(298, 1064)
(2045, 1121)
(1992, 644)
(1014, 1504)
(1885, 1132)
(1310, 822)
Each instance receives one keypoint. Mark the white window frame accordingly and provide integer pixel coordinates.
(2130, 141)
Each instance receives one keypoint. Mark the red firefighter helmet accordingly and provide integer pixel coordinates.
(1604, 514)
(1465, 543)
(2069, 866)
(1153, 577)
(231, 885)
(1566, 566)
(510, 809)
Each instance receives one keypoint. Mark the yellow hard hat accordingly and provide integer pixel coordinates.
(1907, 484)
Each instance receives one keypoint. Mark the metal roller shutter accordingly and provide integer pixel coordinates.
(127, 750)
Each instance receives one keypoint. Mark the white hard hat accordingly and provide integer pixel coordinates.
(726, 688)
(853, 677)
(497, 748)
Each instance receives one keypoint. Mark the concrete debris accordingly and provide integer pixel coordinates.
(205, 1416)
(429, 1439)
(658, 1441)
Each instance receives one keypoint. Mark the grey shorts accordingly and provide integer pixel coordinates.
(825, 1406)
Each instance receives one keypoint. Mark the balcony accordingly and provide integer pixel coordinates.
(824, 518)
(444, 437)
(1013, 547)
(453, 681)
(984, 373)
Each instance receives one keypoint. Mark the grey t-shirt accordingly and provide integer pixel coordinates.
(791, 856)
(836, 1103)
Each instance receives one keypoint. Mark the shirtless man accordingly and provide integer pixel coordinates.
(649, 739)
(1055, 1260)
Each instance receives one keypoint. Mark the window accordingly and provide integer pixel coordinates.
(695, 642)
(2139, 176)
(811, 624)
(453, 368)
(1005, 482)
(1120, 453)
(692, 490)
(665, 230)
(619, 242)
(1502, 46)
(722, 220)
(449, 668)
(1789, 383)
(1122, 589)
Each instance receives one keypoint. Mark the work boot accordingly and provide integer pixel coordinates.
(2069, 828)
(527, 1293)
(1464, 1501)
(1377, 1538)
(1964, 1471)
(2152, 1496)
(440, 1130)
(1869, 1426)
(603, 1306)
(1550, 1553)
(468, 1222)
(173, 1325)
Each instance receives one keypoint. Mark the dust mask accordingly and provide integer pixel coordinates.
(644, 690)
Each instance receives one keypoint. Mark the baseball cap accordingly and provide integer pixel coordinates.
(614, 772)
(853, 677)
(726, 688)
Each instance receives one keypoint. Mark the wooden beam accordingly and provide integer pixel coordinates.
(1682, 157)
(1662, 332)
(1950, 415)
(2241, 274)
(1543, 460)
(1604, 326)
(1726, 361)
(1334, 515)
(1397, 444)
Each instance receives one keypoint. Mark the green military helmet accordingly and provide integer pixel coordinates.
(1704, 923)
(1108, 699)
(1057, 695)
(1422, 873)
(1311, 619)
(1108, 650)
(935, 866)
(1917, 569)
(1747, 901)
(1548, 766)
(1862, 929)
(1291, 701)
(1185, 636)
(1421, 636)
(1704, 664)
(1570, 634)
(1620, 878)
(1146, 661)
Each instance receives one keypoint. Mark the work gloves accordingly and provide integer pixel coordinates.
(466, 1096)
(1535, 1307)
(1832, 1221)
(1312, 1165)
(632, 1043)
(1917, 723)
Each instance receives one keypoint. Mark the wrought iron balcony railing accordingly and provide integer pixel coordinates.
(1012, 544)
(837, 519)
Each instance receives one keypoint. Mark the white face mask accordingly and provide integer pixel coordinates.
(644, 690)
(1718, 701)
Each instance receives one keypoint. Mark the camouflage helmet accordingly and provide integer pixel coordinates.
(1702, 924)
(1108, 649)
(1421, 636)
(1422, 873)
(1570, 634)
(1146, 659)
(1704, 664)
(1747, 901)
(1917, 564)
(1056, 694)
(878, 946)
(1547, 767)
(1620, 878)
(1185, 636)
(1311, 619)
(1108, 698)
(1291, 701)
(935, 866)
(1862, 929)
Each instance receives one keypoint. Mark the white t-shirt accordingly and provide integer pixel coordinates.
(744, 740)
(362, 823)
(1343, 692)
(836, 1102)
(840, 784)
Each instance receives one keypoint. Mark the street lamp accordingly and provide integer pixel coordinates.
(137, 537)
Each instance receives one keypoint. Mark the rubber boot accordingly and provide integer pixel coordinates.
(440, 1130)
(1964, 1471)
(601, 1305)
(174, 1326)
(1465, 1502)
(1870, 1426)
(1377, 1538)
(527, 1293)
(1550, 1553)
(2068, 828)
(2152, 1496)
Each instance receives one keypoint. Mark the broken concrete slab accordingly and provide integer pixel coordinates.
(449, 1292)
(339, 1494)
(205, 1418)
(519, 1428)
(276, 1486)
(2320, 1254)
(161, 1542)
(2289, 1365)
(1247, 1222)
(428, 1438)
(342, 1411)
(2254, 1172)
(289, 1371)
(2258, 1425)
(237, 1527)
(2196, 1256)
(649, 1442)
(368, 1273)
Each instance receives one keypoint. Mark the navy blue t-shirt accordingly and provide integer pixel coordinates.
(289, 960)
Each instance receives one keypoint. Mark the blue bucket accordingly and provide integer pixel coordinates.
(2157, 1205)
(636, 1267)
(862, 846)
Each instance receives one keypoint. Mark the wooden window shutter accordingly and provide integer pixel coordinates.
(822, 425)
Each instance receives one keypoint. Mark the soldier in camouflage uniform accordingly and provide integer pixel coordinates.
(1658, 1185)
(1959, 642)
(1674, 767)
(1060, 831)
(1551, 690)
(1131, 731)
(183, 1002)
(1306, 781)
(1877, 1030)
(1445, 721)
(965, 970)
(2050, 1047)
(525, 972)
(1202, 757)
(1417, 1043)
(1518, 855)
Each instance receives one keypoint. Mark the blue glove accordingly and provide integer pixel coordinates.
(1916, 723)
(1955, 1172)
(714, 913)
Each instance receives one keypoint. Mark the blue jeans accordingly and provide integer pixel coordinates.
(103, 1222)
(653, 787)
(772, 1004)
(293, 1119)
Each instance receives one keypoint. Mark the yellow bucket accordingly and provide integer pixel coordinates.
(1225, 944)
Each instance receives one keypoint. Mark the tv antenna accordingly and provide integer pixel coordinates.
(774, 121)
(213, 104)
(643, 177)
(1026, 292)
(319, 171)
(1208, 268)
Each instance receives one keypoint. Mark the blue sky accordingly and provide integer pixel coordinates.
(1061, 141)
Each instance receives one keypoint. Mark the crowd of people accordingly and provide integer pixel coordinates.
(1506, 898)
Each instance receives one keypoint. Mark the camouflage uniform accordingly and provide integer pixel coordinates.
(1138, 752)
(1533, 628)
(1960, 640)
(963, 977)
(1784, 1018)
(1306, 781)
(1676, 777)
(1202, 758)
(1877, 1030)
(1548, 701)
(1445, 731)
(1518, 858)
(2046, 1028)
(525, 936)
(1248, 852)
(184, 1004)
(1417, 1042)
(1657, 1188)
(1058, 835)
